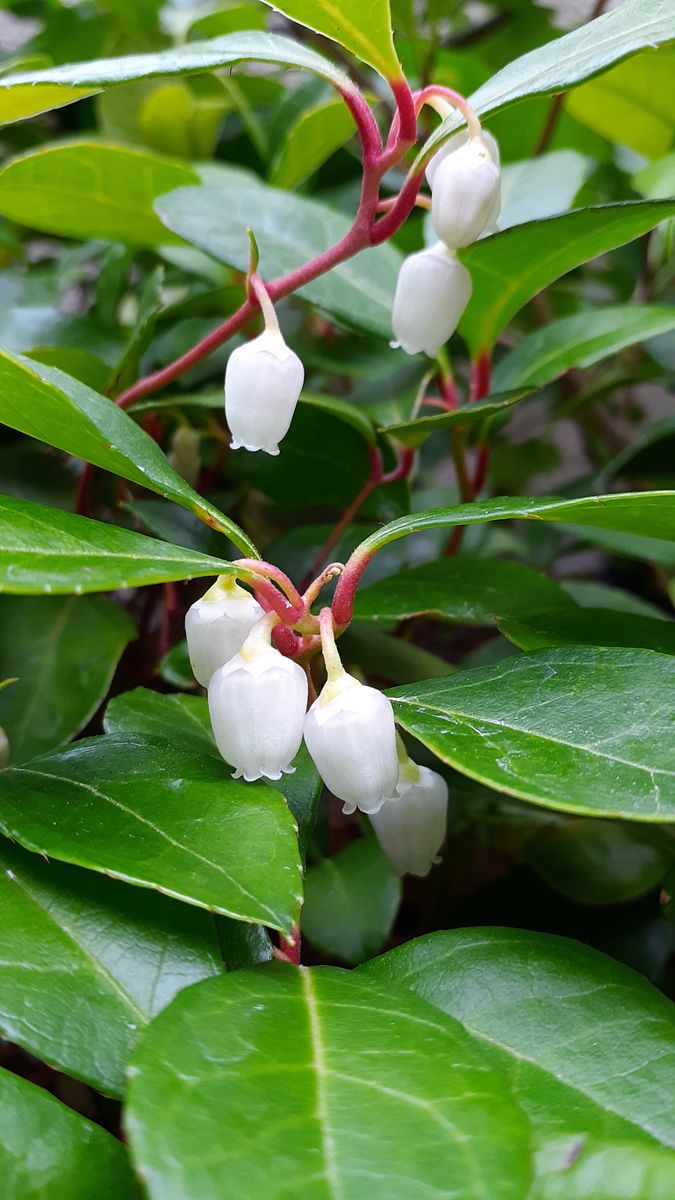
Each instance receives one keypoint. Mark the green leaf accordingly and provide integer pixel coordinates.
(389, 658)
(362, 26)
(149, 812)
(23, 94)
(470, 591)
(317, 133)
(579, 341)
(589, 627)
(587, 1045)
(47, 404)
(534, 188)
(47, 1149)
(596, 862)
(577, 729)
(650, 513)
(321, 1084)
(510, 268)
(589, 594)
(185, 720)
(45, 550)
(84, 189)
(290, 230)
(630, 103)
(84, 966)
(414, 433)
(567, 61)
(351, 901)
(63, 653)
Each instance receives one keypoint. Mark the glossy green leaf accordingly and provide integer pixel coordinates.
(535, 188)
(47, 404)
(470, 591)
(587, 1045)
(290, 230)
(589, 627)
(630, 103)
(85, 189)
(579, 729)
(414, 433)
(185, 720)
(579, 341)
(596, 862)
(510, 268)
(327, 1076)
(47, 1149)
(565, 62)
(148, 812)
(351, 901)
(84, 966)
(25, 93)
(317, 133)
(45, 550)
(63, 653)
(362, 26)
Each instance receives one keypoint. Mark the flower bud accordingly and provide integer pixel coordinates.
(432, 291)
(185, 453)
(257, 703)
(351, 736)
(454, 143)
(411, 827)
(263, 381)
(217, 625)
(465, 194)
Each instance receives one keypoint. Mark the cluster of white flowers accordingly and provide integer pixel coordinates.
(258, 706)
(434, 287)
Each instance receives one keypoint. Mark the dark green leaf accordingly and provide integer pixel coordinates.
(577, 729)
(414, 433)
(47, 1149)
(63, 653)
(321, 1084)
(587, 1044)
(596, 862)
(590, 627)
(146, 811)
(351, 901)
(84, 965)
(390, 658)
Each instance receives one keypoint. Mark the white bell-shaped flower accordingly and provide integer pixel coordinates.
(432, 291)
(454, 143)
(263, 381)
(411, 827)
(257, 703)
(465, 195)
(351, 736)
(217, 625)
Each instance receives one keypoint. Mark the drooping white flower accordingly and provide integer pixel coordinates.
(465, 195)
(351, 736)
(454, 143)
(263, 381)
(257, 703)
(217, 625)
(411, 826)
(432, 291)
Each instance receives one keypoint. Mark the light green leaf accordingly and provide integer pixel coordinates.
(149, 812)
(84, 966)
(590, 627)
(535, 188)
(596, 862)
(45, 550)
(414, 433)
(630, 103)
(25, 93)
(351, 901)
(317, 133)
(586, 1042)
(579, 341)
(45, 403)
(470, 591)
(290, 230)
(47, 1149)
(86, 189)
(329, 1075)
(578, 729)
(567, 61)
(63, 653)
(362, 26)
(510, 268)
